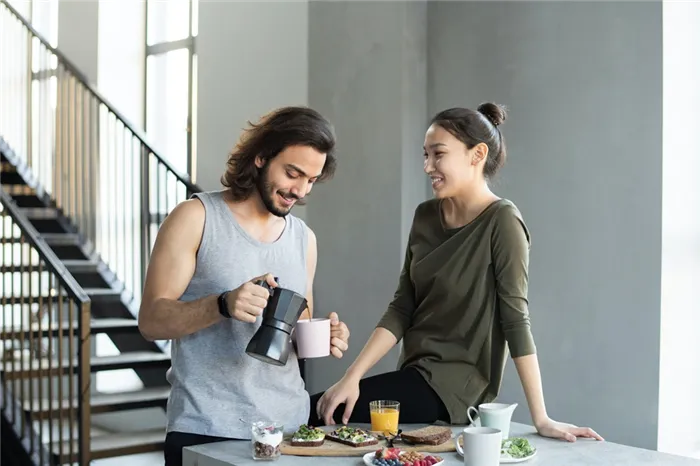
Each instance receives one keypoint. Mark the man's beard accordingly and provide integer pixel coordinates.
(267, 194)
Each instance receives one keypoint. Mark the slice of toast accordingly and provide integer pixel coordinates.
(307, 436)
(431, 435)
(307, 443)
(352, 437)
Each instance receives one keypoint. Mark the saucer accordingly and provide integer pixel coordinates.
(507, 459)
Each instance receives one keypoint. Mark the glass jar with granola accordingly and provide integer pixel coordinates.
(266, 440)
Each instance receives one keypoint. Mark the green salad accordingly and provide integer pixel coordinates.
(517, 447)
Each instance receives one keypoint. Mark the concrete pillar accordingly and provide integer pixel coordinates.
(367, 74)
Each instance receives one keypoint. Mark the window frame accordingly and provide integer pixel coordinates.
(160, 48)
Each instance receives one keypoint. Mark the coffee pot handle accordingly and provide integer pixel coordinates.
(264, 284)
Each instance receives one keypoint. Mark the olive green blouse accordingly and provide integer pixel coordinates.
(461, 303)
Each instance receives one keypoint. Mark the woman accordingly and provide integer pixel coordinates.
(461, 301)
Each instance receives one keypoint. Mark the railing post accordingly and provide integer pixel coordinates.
(84, 381)
(30, 106)
(145, 212)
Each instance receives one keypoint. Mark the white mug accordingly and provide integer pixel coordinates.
(496, 415)
(482, 446)
(313, 338)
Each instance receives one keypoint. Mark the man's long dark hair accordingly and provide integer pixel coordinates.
(274, 132)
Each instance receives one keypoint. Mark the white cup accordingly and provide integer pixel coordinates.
(482, 446)
(313, 338)
(496, 415)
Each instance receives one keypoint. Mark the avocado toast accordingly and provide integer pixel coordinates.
(352, 436)
(307, 436)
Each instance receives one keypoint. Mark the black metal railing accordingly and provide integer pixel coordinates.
(96, 167)
(45, 335)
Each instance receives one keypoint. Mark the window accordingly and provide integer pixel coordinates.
(171, 65)
(28, 115)
(679, 374)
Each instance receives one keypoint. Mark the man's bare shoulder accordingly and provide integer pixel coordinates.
(185, 221)
(191, 207)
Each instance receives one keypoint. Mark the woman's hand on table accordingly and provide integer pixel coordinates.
(560, 430)
(346, 390)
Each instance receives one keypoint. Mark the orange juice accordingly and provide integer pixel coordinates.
(385, 420)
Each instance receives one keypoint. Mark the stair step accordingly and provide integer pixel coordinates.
(109, 402)
(81, 266)
(39, 213)
(96, 326)
(116, 444)
(52, 239)
(130, 361)
(73, 266)
(102, 403)
(44, 367)
(103, 295)
(61, 239)
(23, 200)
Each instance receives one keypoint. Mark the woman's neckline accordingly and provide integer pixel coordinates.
(478, 217)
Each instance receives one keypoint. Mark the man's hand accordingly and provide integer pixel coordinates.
(340, 334)
(347, 391)
(247, 302)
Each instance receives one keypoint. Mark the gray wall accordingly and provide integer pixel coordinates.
(253, 57)
(583, 82)
(367, 73)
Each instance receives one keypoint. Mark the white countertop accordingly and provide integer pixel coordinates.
(550, 452)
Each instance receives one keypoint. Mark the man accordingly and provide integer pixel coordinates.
(201, 289)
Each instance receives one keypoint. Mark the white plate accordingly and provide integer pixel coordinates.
(369, 457)
(507, 459)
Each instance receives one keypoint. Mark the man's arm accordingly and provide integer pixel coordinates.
(311, 260)
(171, 267)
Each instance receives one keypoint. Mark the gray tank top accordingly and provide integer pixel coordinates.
(214, 383)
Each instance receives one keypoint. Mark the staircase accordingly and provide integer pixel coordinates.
(83, 195)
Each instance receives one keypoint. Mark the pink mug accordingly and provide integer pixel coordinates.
(313, 338)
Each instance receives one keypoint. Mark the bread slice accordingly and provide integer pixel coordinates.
(307, 436)
(307, 443)
(431, 435)
(352, 436)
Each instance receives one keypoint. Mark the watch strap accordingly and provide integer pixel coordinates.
(223, 305)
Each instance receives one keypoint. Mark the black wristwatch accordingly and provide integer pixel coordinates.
(223, 305)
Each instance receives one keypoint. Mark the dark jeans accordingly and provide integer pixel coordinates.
(176, 441)
(419, 402)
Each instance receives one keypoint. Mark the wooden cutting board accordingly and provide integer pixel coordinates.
(331, 448)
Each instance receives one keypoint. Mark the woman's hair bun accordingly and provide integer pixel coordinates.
(494, 112)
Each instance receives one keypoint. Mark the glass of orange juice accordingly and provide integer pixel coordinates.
(384, 415)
